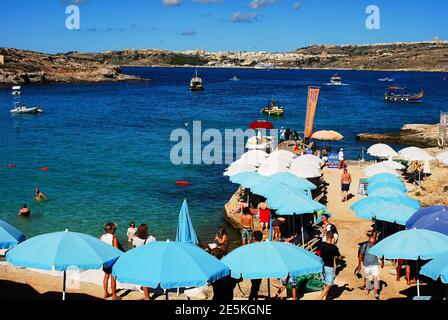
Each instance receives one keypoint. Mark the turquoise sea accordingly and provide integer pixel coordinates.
(107, 145)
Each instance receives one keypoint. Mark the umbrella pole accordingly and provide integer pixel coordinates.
(63, 285)
(269, 289)
(418, 280)
(303, 240)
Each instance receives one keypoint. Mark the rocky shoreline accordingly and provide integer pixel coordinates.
(418, 135)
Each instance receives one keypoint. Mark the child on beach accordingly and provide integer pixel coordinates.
(131, 231)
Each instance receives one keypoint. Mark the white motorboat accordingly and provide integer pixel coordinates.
(235, 78)
(336, 80)
(20, 108)
(196, 83)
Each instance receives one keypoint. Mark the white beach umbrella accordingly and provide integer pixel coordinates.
(426, 167)
(381, 150)
(239, 168)
(386, 164)
(253, 157)
(283, 154)
(305, 172)
(269, 170)
(307, 160)
(277, 160)
(415, 154)
(442, 157)
(380, 169)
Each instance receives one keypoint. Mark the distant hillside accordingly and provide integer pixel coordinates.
(30, 66)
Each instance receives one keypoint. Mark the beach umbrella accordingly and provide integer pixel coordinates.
(394, 213)
(366, 207)
(282, 154)
(62, 251)
(294, 204)
(269, 170)
(437, 267)
(387, 164)
(292, 180)
(384, 177)
(170, 265)
(442, 157)
(433, 218)
(305, 172)
(9, 236)
(412, 244)
(185, 231)
(271, 260)
(386, 192)
(414, 154)
(399, 186)
(253, 157)
(276, 161)
(239, 168)
(306, 160)
(271, 188)
(380, 169)
(327, 135)
(248, 179)
(261, 124)
(381, 150)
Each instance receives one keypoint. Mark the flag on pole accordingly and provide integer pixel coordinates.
(313, 96)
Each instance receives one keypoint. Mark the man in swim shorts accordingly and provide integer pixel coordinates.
(346, 180)
(246, 226)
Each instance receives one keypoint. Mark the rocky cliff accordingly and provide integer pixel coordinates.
(29, 67)
(419, 135)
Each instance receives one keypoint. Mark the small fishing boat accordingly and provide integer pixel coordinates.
(273, 109)
(235, 78)
(402, 95)
(196, 83)
(386, 80)
(336, 80)
(20, 108)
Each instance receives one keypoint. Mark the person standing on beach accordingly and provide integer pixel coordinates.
(246, 226)
(370, 264)
(256, 283)
(329, 254)
(265, 215)
(282, 135)
(341, 158)
(141, 238)
(327, 226)
(24, 211)
(110, 238)
(346, 180)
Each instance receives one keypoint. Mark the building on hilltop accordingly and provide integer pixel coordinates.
(2, 60)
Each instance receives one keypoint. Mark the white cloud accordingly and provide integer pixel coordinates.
(256, 4)
(208, 1)
(172, 3)
(239, 17)
(297, 5)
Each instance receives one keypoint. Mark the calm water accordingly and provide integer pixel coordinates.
(107, 145)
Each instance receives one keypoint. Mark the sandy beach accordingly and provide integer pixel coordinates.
(27, 284)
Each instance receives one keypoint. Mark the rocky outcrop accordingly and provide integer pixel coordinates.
(32, 67)
(419, 135)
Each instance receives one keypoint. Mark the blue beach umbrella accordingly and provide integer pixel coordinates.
(62, 251)
(248, 179)
(272, 188)
(185, 230)
(404, 200)
(398, 214)
(437, 267)
(368, 209)
(9, 236)
(433, 218)
(271, 260)
(391, 185)
(170, 265)
(386, 192)
(412, 245)
(293, 181)
(383, 177)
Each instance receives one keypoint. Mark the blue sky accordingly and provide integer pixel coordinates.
(260, 25)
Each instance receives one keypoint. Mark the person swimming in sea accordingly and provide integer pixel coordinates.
(39, 195)
(24, 211)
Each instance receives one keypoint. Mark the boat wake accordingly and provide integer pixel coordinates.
(336, 85)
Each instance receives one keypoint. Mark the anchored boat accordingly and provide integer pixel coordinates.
(273, 109)
(336, 80)
(402, 95)
(196, 83)
(19, 106)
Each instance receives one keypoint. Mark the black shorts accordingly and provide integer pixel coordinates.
(345, 187)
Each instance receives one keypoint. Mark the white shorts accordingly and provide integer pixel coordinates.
(371, 271)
